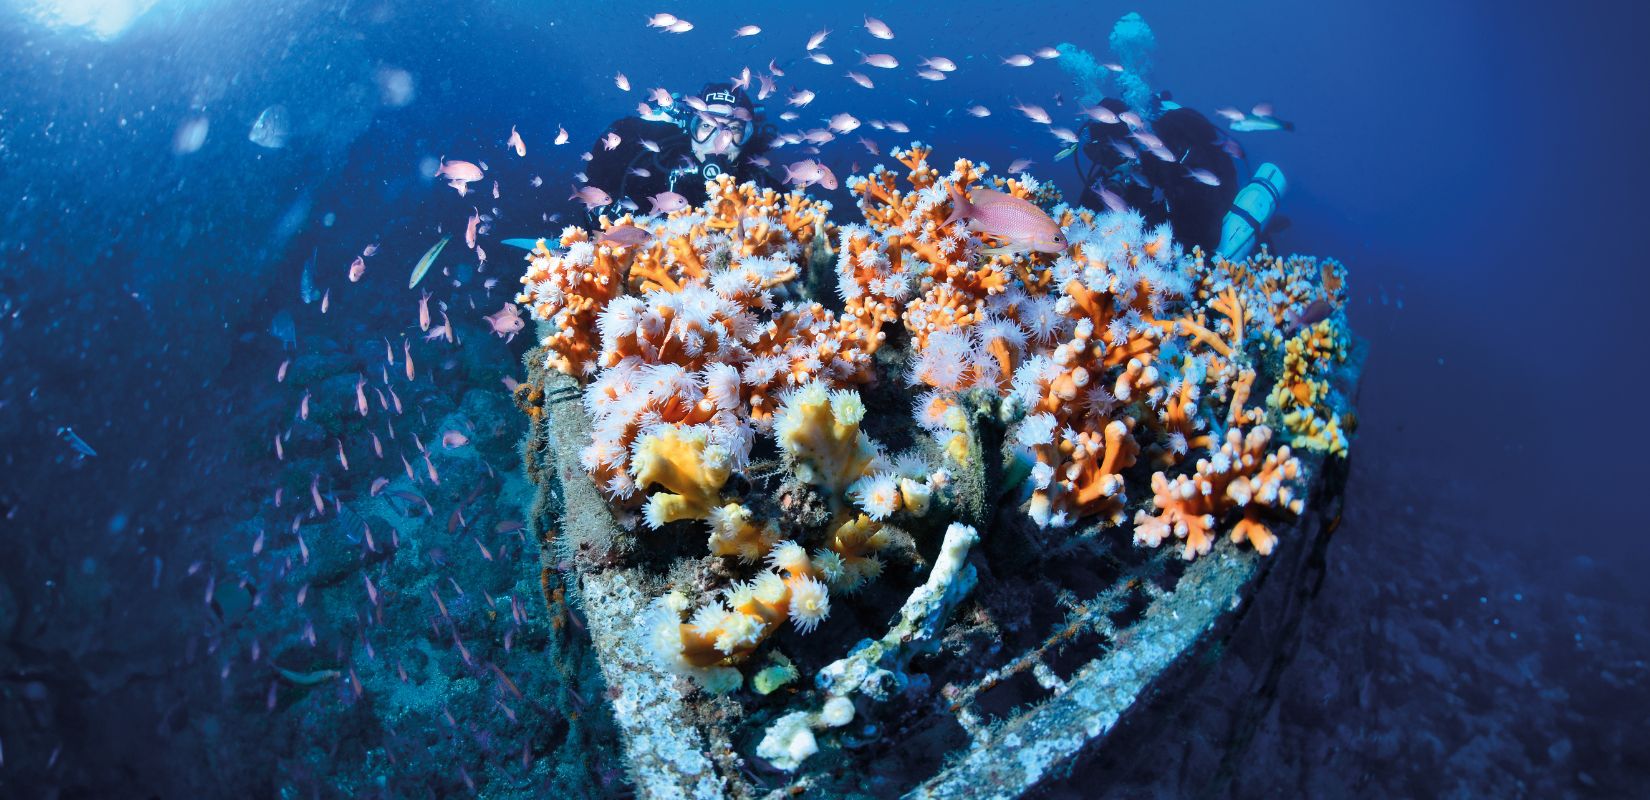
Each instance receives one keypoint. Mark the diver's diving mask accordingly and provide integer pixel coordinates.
(705, 125)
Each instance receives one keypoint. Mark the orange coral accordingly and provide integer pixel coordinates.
(570, 299)
(727, 631)
(1240, 475)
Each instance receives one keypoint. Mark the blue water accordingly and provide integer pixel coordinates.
(1481, 171)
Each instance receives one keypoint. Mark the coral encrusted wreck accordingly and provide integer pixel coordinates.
(881, 507)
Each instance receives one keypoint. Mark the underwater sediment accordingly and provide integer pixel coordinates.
(878, 509)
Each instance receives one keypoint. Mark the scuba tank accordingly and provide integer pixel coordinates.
(1251, 210)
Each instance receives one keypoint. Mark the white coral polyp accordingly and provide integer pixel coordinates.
(810, 603)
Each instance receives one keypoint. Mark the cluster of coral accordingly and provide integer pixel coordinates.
(1120, 351)
(1122, 365)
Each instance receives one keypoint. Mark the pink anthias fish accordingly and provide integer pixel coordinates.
(1018, 60)
(765, 87)
(1101, 114)
(667, 202)
(870, 146)
(470, 229)
(507, 321)
(821, 58)
(1023, 227)
(879, 60)
(844, 123)
(1047, 52)
(818, 39)
(561, 135)
(1203, 176)
(859, 78)
(746, 30)
(622, 82)
(827, 178)
(424, 312)
(1113, 200)
(979, 111)
(611, 140)
(1146, 138)
(878, 28)
(455, 439)
(357, 268)
(801, 98)
(1315, 312)
(459, 171)
(1020, 164)
(680, 26)
(626, 236)
(661, 20)
(1034, 113)
(804, 173)
(940, 63)
(516, 143)
(930, 74)
(591, 196)
(459, 175)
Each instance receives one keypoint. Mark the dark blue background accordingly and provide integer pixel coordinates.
(1479, 167)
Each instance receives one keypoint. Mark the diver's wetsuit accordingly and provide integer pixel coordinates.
(1162, 190)
(672, 169)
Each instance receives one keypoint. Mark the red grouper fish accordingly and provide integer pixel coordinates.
(1023, 227)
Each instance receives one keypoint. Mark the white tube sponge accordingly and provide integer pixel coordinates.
(876, 668)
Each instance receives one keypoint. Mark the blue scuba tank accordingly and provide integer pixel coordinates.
(1251, 210)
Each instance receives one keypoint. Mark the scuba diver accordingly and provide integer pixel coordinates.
(677, 149)
(1181, 169)
(1192, 188)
